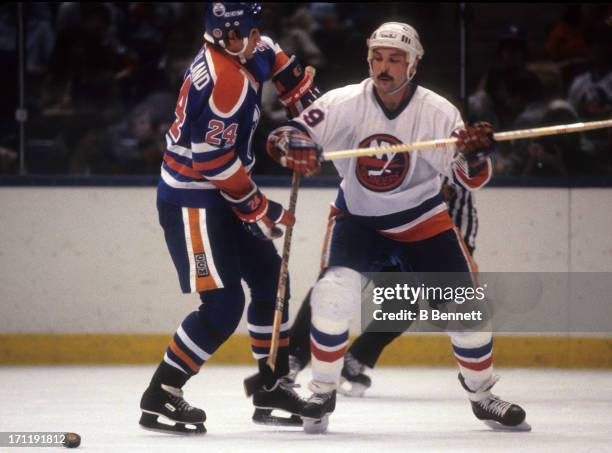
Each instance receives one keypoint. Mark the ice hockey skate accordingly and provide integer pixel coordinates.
(318, 407)
(281, 396)
(493, 411)
(353, 381)
(167, 403)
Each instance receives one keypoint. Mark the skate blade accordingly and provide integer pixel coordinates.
(265, 417)
(316, 425)
(351, 389)
(524, 426)
(151, 422)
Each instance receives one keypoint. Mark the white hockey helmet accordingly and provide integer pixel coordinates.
(398, 36)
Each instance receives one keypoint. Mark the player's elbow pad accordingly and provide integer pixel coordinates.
(296, 87)
(472, 177)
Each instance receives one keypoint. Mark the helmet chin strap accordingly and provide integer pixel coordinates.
(399, 88)
(240, 53)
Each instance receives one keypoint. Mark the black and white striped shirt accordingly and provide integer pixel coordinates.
(462, 210)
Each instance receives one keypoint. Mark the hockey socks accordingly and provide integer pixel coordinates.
(194, 342)
(474, 355)
(327, 354)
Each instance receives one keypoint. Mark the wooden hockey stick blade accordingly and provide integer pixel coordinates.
(311, 71)
(446, 142)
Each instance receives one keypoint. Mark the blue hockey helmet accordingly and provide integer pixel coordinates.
(222, 17)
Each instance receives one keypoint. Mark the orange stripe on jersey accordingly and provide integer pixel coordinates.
(252, 79)
(214, 163)
(184, 357)
(280, 61)
(181, 168)
(230, 81)
(429, 228)
(206, 282)
(236, 186)
(477, 180)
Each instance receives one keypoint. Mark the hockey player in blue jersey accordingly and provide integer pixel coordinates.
(217, 223)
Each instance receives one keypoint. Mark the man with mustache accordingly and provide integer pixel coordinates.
(391, 204)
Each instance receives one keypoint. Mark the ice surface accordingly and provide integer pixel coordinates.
(407, 409)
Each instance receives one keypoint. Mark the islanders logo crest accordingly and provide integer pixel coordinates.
(383, 172)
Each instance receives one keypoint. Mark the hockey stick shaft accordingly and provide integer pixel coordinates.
(446, 142)
(282, 279)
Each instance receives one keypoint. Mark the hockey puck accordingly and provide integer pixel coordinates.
(72, 440)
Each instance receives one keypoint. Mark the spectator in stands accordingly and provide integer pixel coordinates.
(591, 92)
(557, 155)
(82, 91)
(332, 36)
(40, 43)
(292, 29)
(493, 101)
(568, 42)
(136, 144)
(504, 92)
(145, 37)
(9, 137)
(88, 57)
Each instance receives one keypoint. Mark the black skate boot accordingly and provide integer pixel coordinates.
(281, 396)
(318, 407)
(353, 381)
(168, 402)
(257, 380)
(495, 412)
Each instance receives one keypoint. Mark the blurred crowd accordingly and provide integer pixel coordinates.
(101, 79)
(574, 83)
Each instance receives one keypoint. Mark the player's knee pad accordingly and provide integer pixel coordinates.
(337, 294)
(221, 309)
(467, 339)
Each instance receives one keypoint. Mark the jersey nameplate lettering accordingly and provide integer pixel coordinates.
(200, 76)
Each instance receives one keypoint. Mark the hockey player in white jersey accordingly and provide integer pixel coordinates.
(391, 204)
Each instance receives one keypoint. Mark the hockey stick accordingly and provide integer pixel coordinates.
(446, 142)
(284, 270)
(282, 279)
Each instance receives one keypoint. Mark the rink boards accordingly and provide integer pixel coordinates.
(86, 277)
(408, 350)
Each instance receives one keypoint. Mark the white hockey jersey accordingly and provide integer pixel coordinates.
(397, 194)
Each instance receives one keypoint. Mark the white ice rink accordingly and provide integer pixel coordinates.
(406, 409)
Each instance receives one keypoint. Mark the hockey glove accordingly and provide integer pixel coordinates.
(476, 143)
(260, 215)
(296, 87)
(293, 149)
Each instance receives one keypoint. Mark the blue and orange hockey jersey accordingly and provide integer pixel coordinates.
(209, 146)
